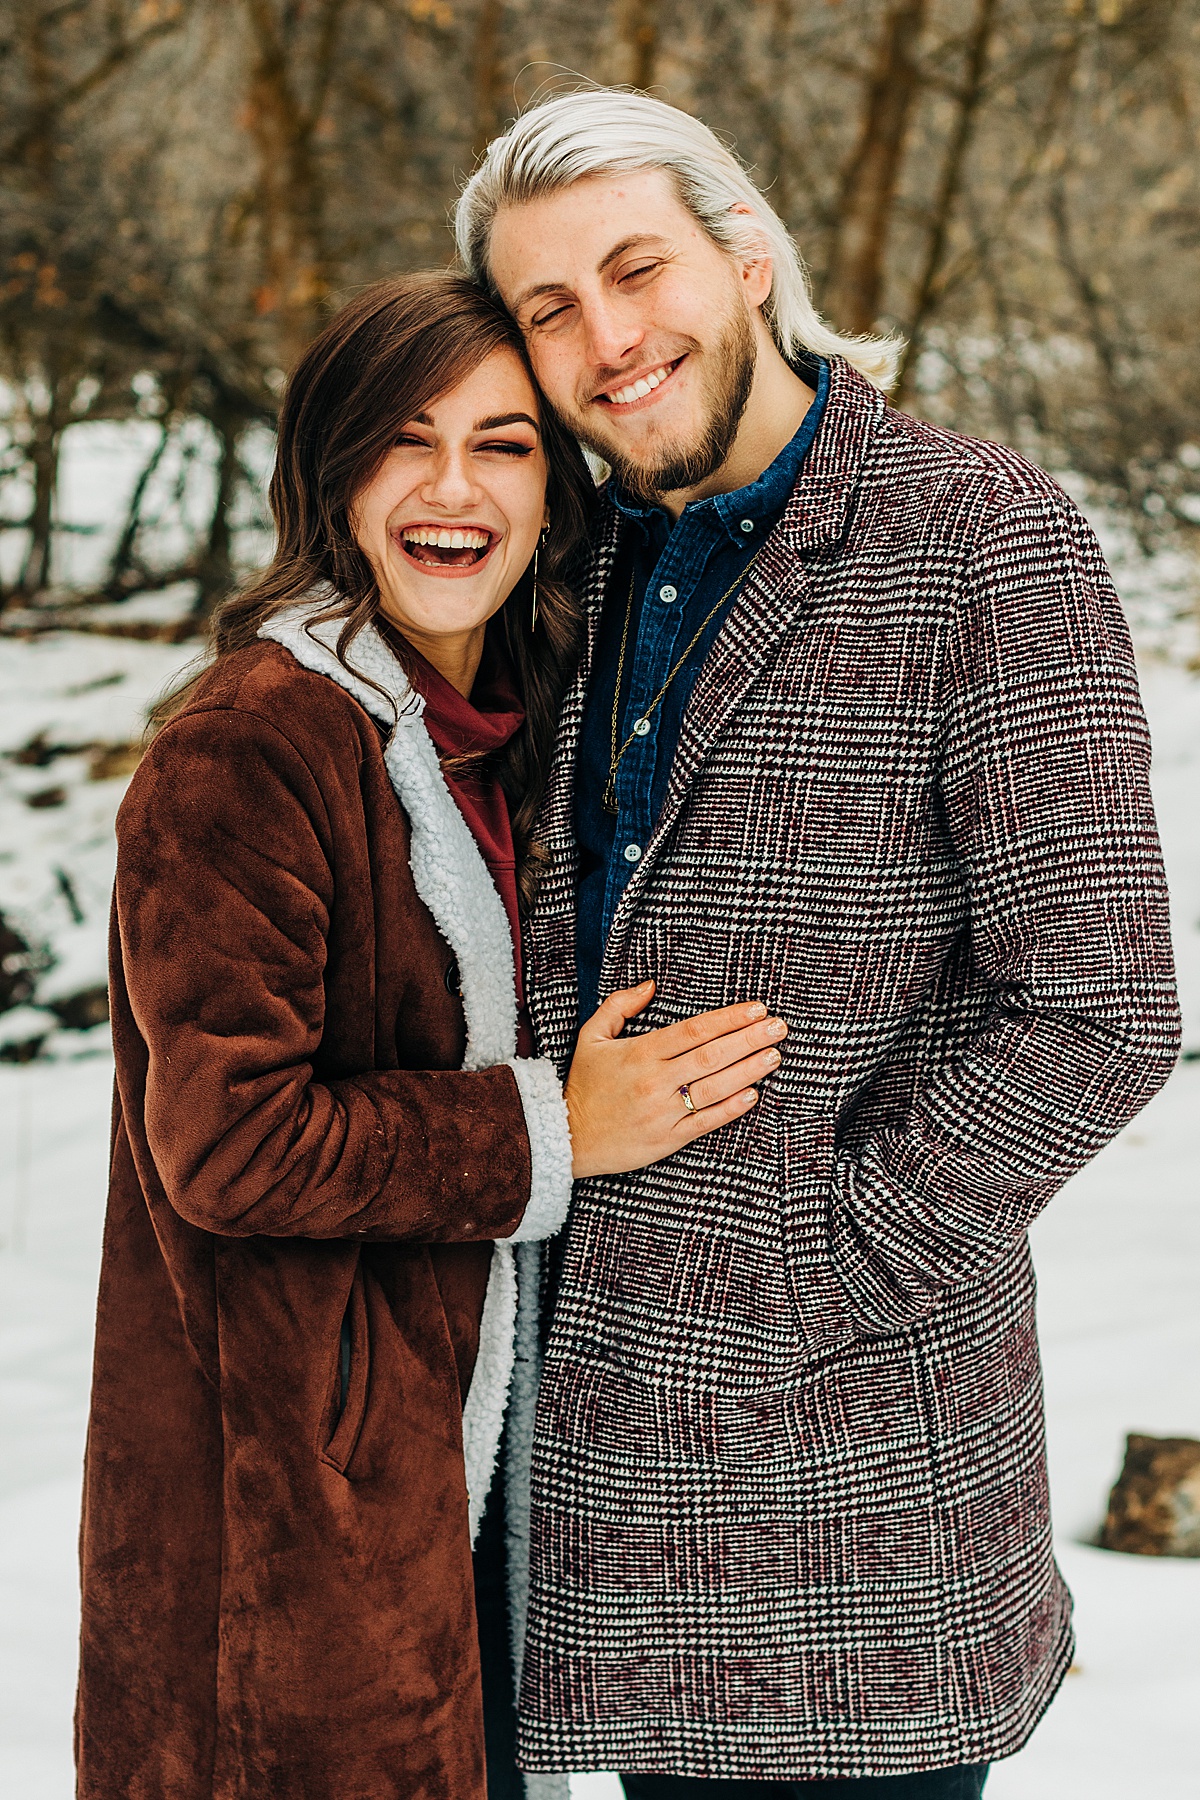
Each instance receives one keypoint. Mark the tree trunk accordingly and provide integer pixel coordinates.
(117, 586)
(637, 34)
(488, 76)
(854, 286)
(214, 571)
(43, 454)
(283, 121)
(949, 186)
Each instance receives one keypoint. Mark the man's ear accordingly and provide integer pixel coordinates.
(754, 263)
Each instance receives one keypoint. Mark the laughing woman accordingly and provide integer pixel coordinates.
(329, 1127)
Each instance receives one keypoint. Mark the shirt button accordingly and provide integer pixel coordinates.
(747, 526)
(633, 853)
(641, 727)
(668, 593)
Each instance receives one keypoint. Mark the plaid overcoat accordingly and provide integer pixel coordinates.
(790, 1513)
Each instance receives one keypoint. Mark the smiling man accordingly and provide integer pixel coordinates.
(856, 734)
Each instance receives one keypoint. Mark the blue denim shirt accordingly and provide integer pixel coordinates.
(679, 572)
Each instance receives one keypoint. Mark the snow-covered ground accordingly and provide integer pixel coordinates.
(1118, 1254)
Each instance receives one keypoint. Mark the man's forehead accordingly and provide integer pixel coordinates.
(582, 229)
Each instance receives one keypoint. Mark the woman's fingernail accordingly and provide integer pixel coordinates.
(757, 1011)
(771, 1057)
(750, 1098)
(777, 1028)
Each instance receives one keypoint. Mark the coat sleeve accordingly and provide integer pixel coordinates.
(1045, 795)
(224, 890)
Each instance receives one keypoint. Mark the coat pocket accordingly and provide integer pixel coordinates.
(352, 1371)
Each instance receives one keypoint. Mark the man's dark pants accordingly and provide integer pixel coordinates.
(935, 1784)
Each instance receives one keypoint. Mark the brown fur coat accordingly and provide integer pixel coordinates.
(305, 1185)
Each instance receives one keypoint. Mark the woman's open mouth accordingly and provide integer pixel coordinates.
(445, 547)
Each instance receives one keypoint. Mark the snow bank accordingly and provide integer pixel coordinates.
(72, 713)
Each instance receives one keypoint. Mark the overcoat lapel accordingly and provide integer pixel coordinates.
(555, 829)
(553, 991)
(779, 589)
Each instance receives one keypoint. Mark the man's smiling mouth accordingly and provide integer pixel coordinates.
(639, 389)
(445, 546)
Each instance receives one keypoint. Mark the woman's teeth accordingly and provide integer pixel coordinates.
(445, 546)
(440, 539)
(645, 384)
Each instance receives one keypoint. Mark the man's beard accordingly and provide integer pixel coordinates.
(726, 390)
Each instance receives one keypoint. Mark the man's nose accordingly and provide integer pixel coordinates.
(612, 336)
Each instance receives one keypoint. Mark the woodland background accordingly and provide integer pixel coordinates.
(188, 187)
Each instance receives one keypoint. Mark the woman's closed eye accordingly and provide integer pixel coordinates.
(506, 447)
(408, 440)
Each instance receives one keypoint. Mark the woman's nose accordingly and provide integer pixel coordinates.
(451, 482)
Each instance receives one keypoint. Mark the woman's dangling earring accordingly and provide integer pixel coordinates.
(536, 552)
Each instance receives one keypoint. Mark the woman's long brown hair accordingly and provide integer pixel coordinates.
(383, 359)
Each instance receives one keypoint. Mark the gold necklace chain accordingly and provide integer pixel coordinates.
(609, 797)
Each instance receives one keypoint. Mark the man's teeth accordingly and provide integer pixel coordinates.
(440, 539)
(645, 384)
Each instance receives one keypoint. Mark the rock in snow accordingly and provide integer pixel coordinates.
(1154, 1510)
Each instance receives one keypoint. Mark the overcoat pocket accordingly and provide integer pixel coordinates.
(352, 1365)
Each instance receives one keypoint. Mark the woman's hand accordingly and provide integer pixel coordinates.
(624, 1099)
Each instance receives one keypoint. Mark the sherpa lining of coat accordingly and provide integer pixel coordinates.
(453, 880)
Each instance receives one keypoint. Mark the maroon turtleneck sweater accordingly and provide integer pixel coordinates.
(481, 726)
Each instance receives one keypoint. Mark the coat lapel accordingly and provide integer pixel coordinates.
(779, 589)
(555, 829)
(553, 991)
(448, 869)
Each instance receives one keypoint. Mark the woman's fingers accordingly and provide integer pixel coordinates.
(622, 1093)
(711, 1090)
(704, 1028)
(711, 1118)
(726, 1051)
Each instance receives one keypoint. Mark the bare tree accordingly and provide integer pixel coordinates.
(292, 76)
(58, 58)
(866, 204)
(637, 28)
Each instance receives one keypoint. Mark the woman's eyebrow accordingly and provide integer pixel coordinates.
(496, 420)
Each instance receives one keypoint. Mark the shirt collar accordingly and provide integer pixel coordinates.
(760, 501)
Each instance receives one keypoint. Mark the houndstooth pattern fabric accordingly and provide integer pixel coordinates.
(790, 1509)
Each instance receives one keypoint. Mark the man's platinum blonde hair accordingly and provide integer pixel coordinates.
(613, 131)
